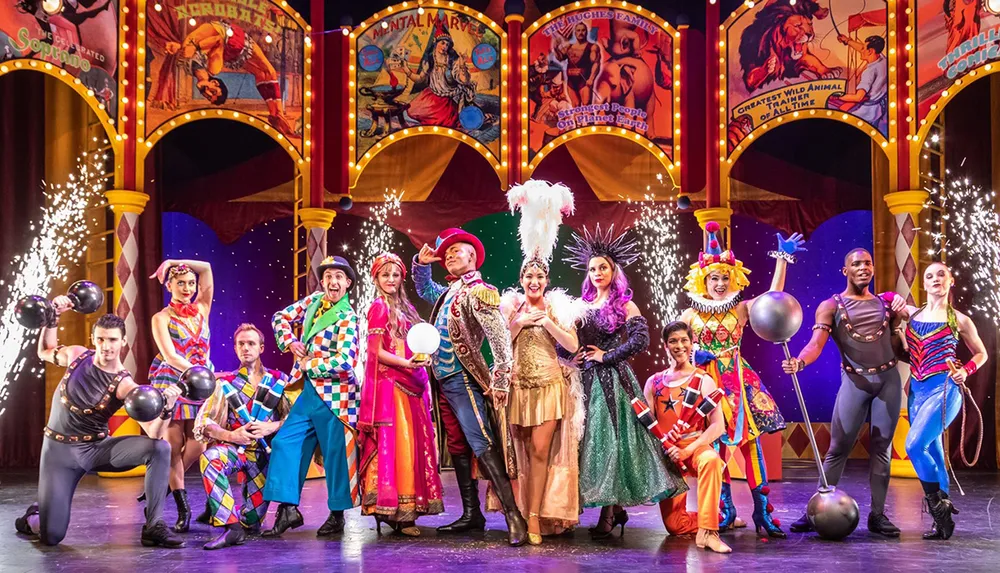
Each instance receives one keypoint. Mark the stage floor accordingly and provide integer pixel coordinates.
(103, 536)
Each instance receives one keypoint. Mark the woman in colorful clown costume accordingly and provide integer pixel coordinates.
(181, 334)
(718, 317)
(399, 477)
(936, 383)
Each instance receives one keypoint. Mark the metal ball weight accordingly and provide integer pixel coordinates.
(87, 296)
(32, 311)
(144, 403)
(833, 514)
(197, 383)
(776, 316)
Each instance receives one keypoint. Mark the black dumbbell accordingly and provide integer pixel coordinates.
(145, 403)
(34, 311)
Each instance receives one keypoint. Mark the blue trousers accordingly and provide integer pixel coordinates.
(468, 402)
(310, 422)
(923, 442)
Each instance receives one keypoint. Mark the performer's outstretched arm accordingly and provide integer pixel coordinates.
(821, 333)
(784, 255)
(49, 349)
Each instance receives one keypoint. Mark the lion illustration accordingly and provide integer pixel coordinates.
(776, 44)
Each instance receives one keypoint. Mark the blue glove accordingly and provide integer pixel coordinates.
(703, 357)
(792, 244)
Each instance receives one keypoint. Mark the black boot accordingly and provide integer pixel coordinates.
(287, 517)
(22, 525)
(472, 517)
(496, 471)
(334, 524)
(879, 523)
(233, 534)
(183, 511)
(159, 536)
(801, 525)
(206, 516)
(940, 508)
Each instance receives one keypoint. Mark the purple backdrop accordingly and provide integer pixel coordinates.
(815, 277)
(253, 280)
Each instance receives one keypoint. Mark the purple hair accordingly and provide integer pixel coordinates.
(613, 313)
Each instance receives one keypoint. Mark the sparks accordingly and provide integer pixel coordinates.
(973, 226)
(660, 262)
(377, 238)
(59, 244)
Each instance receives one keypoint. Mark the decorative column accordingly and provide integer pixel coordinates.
(126, 206)
(905, 207)
(514, 16)
(317, 222)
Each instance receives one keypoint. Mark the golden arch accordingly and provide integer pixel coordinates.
(946, 95)
(146, 147)
(107, 122)
(499, 163)
(845, 118)
(498, 166)
(661, 156)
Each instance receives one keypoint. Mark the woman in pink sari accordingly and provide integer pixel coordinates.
(398, 457)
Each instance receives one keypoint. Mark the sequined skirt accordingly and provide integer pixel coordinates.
(621, 463)
(535, 406)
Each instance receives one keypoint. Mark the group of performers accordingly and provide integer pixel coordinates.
(559, 421)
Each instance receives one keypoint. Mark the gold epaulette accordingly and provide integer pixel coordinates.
(486, 293)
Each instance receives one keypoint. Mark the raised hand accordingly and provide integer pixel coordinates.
(792, 244)
(161, 271)
(427, 255)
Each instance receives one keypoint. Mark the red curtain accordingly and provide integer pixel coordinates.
(22, 165)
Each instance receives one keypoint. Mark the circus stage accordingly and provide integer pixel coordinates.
(104, 530)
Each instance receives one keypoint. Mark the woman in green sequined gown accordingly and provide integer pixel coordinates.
(621, 463)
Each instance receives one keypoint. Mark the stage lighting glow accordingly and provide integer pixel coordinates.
(376, 237)
(660, 264)
(971, 240)
(60, 239)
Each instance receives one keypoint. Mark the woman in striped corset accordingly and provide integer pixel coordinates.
(181, 334)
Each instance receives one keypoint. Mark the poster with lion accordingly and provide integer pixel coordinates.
(954, 37)
(78, 37)
(240, 55)
(432, 68)
(607, 67)
(786, 56)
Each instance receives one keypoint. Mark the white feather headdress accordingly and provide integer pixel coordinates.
(542, 205)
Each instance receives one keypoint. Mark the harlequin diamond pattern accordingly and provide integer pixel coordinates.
(796, 442)
(906, 268)
(315, 252)
(126, 277)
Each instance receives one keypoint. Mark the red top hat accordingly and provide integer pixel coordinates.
(449, 237)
